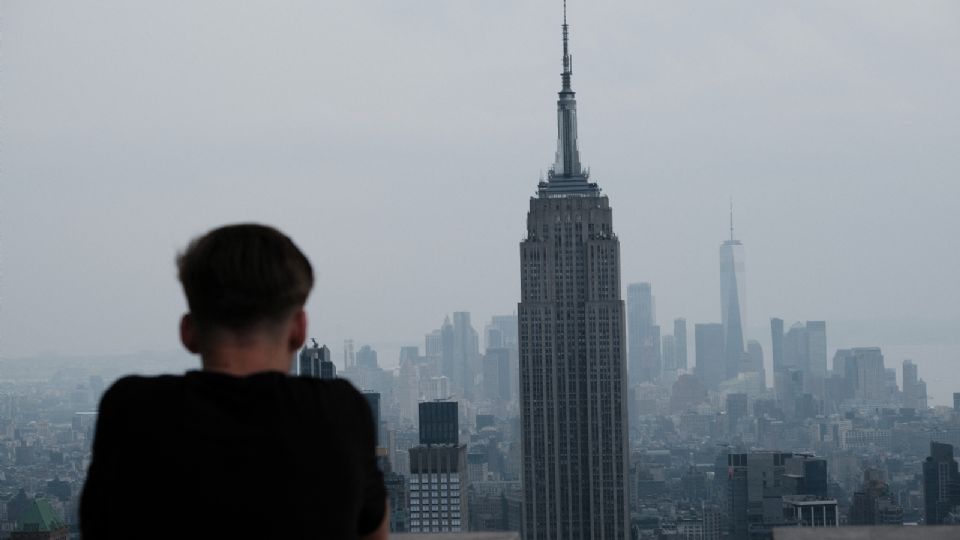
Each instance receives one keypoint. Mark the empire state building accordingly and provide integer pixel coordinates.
(572, 370)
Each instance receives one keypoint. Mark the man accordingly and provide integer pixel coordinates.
(238, 449)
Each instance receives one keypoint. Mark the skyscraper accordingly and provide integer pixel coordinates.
(314, 361)
(572, 372)
(438, 472)
(776, 344)
(733, 304)
(816, 349)
(708, 342)
(643, 336)
(466, 353)
(680, 335)
(941, 483)
(439, 422)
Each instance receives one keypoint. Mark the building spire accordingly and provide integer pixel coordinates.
(567, 163)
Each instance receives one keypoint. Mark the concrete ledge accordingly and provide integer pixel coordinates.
(458, 536)
(867, 533)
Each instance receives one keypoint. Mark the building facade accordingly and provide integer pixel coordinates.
(571, 334)
(733, 304)
(643, 335)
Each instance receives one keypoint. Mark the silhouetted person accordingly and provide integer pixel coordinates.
(238, 449)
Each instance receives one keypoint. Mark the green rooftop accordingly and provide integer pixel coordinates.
(40, 517)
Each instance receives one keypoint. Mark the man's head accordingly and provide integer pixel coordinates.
(246, 286)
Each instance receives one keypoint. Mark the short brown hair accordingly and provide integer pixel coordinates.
(239, 276)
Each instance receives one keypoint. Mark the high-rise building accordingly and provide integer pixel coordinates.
(349, 357)
(776, 344)
(956, 401)
(796, 347)
(496, 375)
(501, 332)
(572, 373)
(754, 361)
(448, 365)
(709, 352)
(816, 349)
(367, 358)
(680, 336)
(733, 302)
(914, 388)
(874, 504)
(643, 335)
(438, 472)
(438, 489)
(466, 353)
(864, 371)
(736, 409)
(439, 422)
(941, 483)
(767, 489)
(668, 348)
(314, 361)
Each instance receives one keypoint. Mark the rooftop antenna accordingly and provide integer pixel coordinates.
(567, 64)
(731, 218)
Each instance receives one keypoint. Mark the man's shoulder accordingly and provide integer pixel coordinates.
(340, 392)
(133, 386)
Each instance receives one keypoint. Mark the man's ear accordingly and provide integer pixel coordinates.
(188, 334)
(298, 330)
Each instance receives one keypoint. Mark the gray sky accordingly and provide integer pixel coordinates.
(398, 142)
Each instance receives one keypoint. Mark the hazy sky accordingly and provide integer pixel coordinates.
(398, 142)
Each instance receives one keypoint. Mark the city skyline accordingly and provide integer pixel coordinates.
(566, 376)
(819, 183)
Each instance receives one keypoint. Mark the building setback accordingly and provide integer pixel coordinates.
(572, 370)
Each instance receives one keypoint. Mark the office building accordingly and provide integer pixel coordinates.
(496, 375)
(349, 356)
(438, 489)
(776, 344)
(572, 371)
(873, 503)
(754, 360)
(439, 423)
(438, 472)
(466, 354)
(816, 362)
(680, 338)
(314, 361)
(941, 483)
(502, 332)
(914, 388)
(864, 372)
(736, 410)
(709, 352)
(768, 489)
(668, 355)
(733, 302)
(367, 358)
(643, 335)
